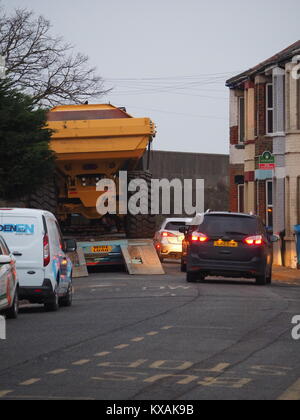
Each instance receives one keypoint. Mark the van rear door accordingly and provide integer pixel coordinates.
(24, 236)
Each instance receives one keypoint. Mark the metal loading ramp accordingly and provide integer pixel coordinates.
(141, 258)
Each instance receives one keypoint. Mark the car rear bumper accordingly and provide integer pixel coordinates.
(167, 250)
(38, 294)
(252, 268)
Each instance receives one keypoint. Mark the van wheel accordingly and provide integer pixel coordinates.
(53, 304)
(67, 301)
(13, 312)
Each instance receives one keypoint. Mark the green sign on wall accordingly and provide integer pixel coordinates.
(266, 161)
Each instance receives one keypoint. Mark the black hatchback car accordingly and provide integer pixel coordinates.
(229, 245)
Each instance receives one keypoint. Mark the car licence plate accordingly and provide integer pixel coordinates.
(102, 249)
(228, 244)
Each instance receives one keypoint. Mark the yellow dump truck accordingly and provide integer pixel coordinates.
(93, 142)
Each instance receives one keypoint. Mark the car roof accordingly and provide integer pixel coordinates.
(178, 219)
(228, 213)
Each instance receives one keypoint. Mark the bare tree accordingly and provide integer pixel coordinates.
(45, 66)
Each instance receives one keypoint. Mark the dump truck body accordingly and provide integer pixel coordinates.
(93, 142)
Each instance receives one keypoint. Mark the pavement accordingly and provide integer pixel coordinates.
(286, 275)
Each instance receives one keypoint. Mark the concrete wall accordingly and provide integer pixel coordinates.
(213, 168)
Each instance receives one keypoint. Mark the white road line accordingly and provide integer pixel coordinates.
(102, 354)
(4, 393)
(30, 382)
(81, 362)
(57, 371)
(138, 339)
(151, 333)
(121, 346)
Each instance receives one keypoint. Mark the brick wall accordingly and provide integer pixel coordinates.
(260, 111)
(234, 135)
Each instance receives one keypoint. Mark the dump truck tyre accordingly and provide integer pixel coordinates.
(141, 226)
(45, 198)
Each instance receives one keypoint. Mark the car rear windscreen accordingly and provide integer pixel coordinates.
(175, 225)
(222, 225)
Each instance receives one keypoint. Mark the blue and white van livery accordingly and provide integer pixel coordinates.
(44, 269)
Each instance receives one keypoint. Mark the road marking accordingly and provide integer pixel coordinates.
(225, 382)
(151, 333)
(30, 382)
(171, 365)
(4, 393)
(187, 379)
(121, 346)
(48, 397)
(292, 393)
(102, 354)
(138, 339)
(217, 369)
(167, 327)
(81, 362)
(57, 371)
(132, 365)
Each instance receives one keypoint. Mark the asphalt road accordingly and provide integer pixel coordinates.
(155, 338)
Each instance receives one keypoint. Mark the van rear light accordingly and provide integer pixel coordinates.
(254, 240)
(198, 237)
(46, 250)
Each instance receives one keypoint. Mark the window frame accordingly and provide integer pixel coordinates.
(269, 109)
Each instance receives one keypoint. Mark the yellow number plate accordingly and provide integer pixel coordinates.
(103, 249)
(231, 244)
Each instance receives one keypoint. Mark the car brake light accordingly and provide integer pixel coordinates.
(199, 237)
(168, 235)
(254, 240)
(46, 250)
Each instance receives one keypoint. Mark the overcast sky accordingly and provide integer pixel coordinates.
(169, 59)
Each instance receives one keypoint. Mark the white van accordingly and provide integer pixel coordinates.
(44, 269)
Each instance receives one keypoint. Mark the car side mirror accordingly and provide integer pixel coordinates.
(70, 245)
(5, 259)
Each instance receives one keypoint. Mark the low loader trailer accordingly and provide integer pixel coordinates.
(93, 143)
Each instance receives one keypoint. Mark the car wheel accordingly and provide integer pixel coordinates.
(192, 277)
(262, 280)
(13, 312)
(183, 267)
(67, 301)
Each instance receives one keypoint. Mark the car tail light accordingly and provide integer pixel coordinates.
(46, 250)
(198, 237)
(254, 240)
(168, 235)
